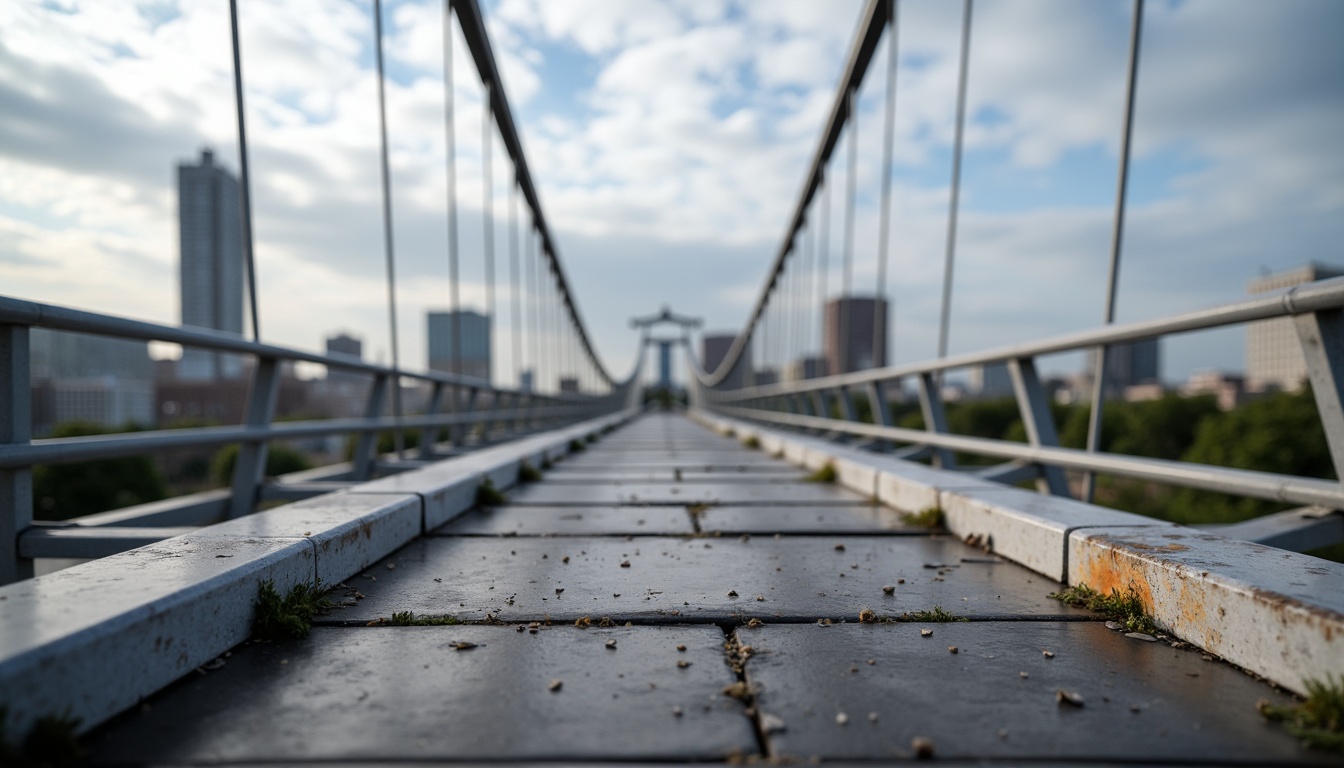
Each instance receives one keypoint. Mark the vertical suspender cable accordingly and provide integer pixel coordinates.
(946, 311)
(882, 314)
(1117, 232)
(824, 255)
(450, 160)
(847, 275)
(245, 185)
(514, 307)
(488, 213)
(387, 225)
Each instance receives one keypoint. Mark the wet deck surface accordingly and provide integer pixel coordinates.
(674, 548)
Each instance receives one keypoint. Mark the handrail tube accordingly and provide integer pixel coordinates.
(1301, 299)
(1261, 485)
(63, 450)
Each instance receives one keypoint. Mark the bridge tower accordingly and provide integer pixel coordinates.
(666, 316)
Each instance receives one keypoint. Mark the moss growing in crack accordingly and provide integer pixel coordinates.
(576, 446)
(729, 433)
(937, 615)
(929, 517)
(409, 619)
(51, 742)
(528, 473)
(487, 495)
(753, 442)
(1124, 607)
(546, 464)
(288, 617)
(1319, 720)
(826, 474)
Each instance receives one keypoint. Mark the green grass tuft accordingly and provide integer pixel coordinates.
(409, 619)
(487, 495)
(1319, 720)
(752, 442)
(576, 446)
(546, 464)
(289, 617)
(826, 474)
(1126, 607)
(528, 473)
(929, 517)
(936, 615)
(52, 742)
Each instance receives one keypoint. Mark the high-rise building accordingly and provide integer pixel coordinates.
(803, 368)
(1273, 353)
(343, 344)
(714, 349)
(851, 322)
(1128, 364)
(991, 381)
(211, 258)
(474, 330)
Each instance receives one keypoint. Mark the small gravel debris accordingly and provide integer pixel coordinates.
(676, 711)
(872, 717)
(926, 633)
(866, 616)
(839, 547)
(555, 685)
(1069, 697)
(1048, 654)
(462, 645)
(951, 649)
(888, 590)
(1141, 636)
(732, 593)
(625, 563)
(1115, 625)
(922, 747)
(681, 648)
(611, 644)
(682, 663)
(841, 718)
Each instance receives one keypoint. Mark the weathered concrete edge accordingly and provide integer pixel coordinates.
(112, 655)
(1203, 596)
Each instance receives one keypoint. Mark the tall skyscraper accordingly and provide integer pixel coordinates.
(349, 346)
(474, 357)
(1273, 353)
(848, 332)
(211, 248)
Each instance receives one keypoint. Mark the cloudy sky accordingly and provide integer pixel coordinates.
(668, 141)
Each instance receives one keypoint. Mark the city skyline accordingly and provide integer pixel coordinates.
(695, 176)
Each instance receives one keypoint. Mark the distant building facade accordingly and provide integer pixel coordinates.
(343, 344)
(474, 330)
(98, 379)
(804, 368)
(714, 348)
(850, 326)
(1128, 364)
(1273, 353)
(211, 263)
(991, 381)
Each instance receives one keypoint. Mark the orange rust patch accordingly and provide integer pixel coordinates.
(1111, 571)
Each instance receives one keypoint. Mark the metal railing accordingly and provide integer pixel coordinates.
(828, 403)
(472, 411)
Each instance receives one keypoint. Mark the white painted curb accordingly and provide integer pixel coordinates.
(92, 640)
(1276, 613)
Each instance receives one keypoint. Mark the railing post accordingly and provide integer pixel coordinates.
(935, 418)
(1322, 337)
(250, 466)
(430, 435)
(367, 445)
(877, 403)
(16, 426)
(1034, 408)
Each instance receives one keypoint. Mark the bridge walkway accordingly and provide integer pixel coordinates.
(672, 595)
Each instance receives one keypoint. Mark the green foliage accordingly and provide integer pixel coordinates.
(487, 495)
(528, 473)
(937, 615)
(1125, 607)
(753, 442)
(280, 460)
(409, 619)
(929, 517)
(387, 442)
(576, 446)
(63, 491)
(1319, 720)
(289, 617)
(826, 474)
(52, 742)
